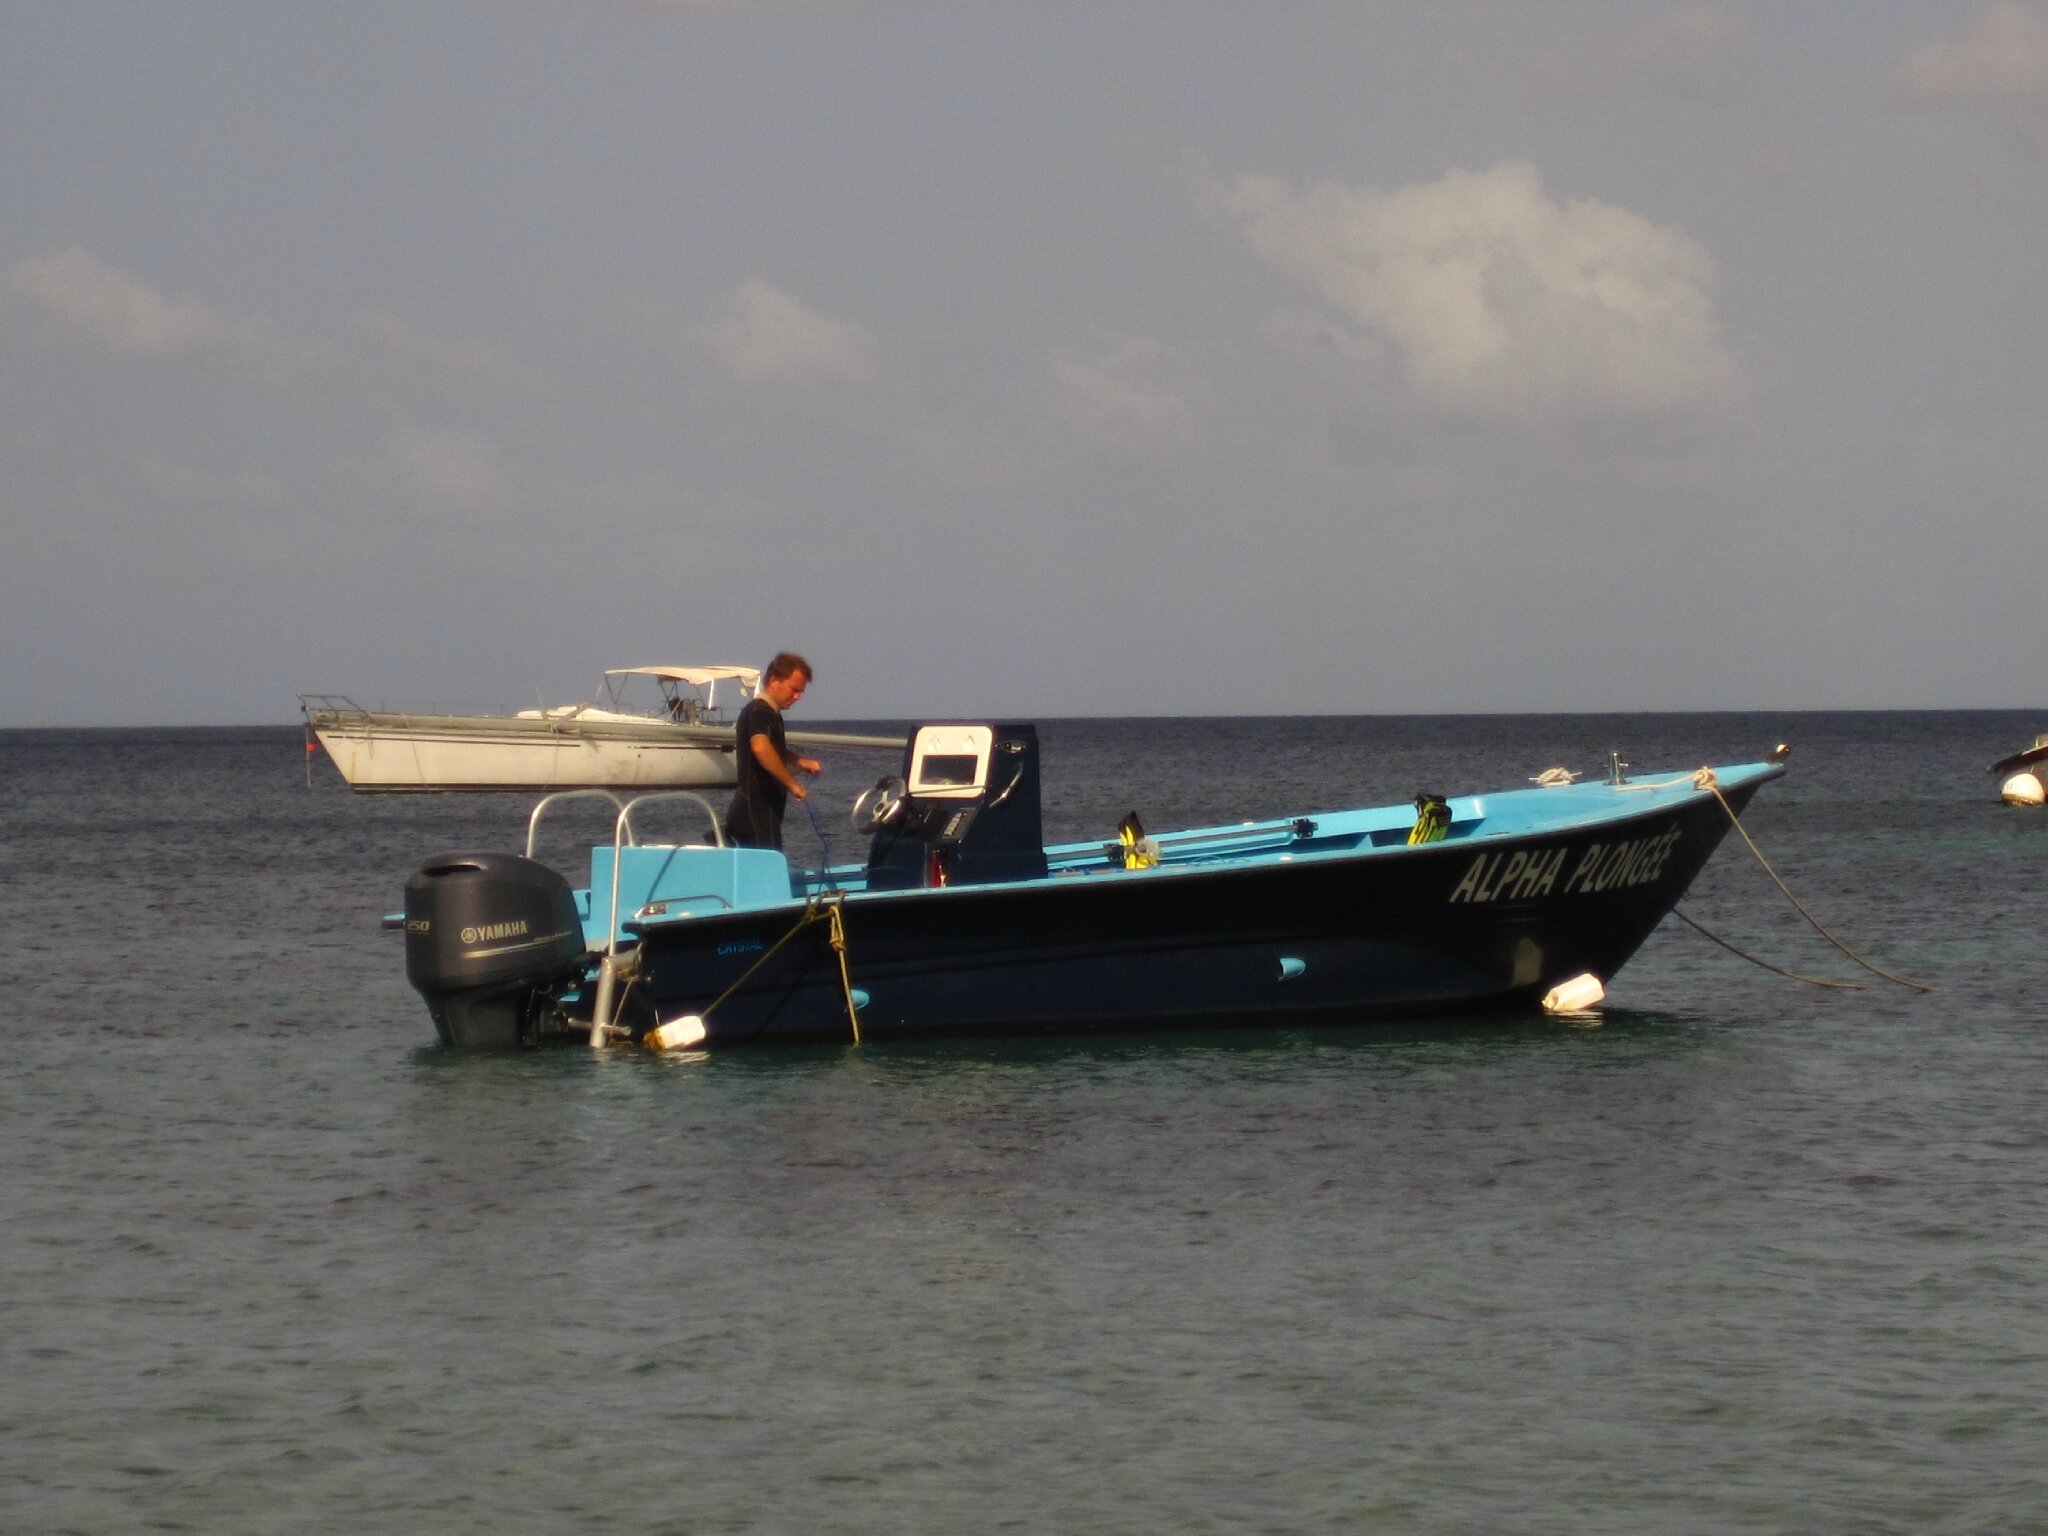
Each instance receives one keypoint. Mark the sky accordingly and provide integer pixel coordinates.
(1023, 357)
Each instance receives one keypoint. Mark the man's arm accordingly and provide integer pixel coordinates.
(763, 747)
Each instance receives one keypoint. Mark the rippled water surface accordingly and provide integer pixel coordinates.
(1745, 1256)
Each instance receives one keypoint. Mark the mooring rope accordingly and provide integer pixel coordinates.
(1705, 780)
(816, 909)
(838, 938)
(1812, 981)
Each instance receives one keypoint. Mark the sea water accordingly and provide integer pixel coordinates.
(1739, 1255)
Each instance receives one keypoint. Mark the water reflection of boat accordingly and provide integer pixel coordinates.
(2020, 776)
(961, 921)
(680, 739)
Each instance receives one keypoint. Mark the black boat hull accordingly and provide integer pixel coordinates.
(1468, 925)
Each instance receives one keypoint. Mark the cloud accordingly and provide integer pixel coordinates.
(766, 337)
(92, 301)
(1673, 48)
(1486, 299)
(1999, 56)
(93, 298)
(1124, 395)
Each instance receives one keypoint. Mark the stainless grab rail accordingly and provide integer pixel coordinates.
(533, 821)
(606, 1005)
(622, 836)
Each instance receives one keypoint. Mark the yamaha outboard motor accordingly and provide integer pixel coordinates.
(486, 934)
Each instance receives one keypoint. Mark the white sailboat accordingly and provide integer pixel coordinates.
(682, 742)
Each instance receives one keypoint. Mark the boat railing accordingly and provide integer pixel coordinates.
(1191, 845)
(622, 837)
(533, 821)
(1294, 829)
(311, 704)
(609, 998)
(625, 826)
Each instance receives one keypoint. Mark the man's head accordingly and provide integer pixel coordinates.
(787, 677)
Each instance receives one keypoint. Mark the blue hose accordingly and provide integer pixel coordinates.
(822, 843)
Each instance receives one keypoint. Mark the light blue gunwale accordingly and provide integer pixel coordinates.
(663, 884)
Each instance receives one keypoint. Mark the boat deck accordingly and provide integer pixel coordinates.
(660, 884)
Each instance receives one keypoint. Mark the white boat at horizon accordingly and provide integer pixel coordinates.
(684, 742)
(2023, 776)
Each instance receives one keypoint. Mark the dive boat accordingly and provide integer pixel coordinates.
(961, 921)
(681, 741)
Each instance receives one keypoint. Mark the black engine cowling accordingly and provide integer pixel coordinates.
(486, 934)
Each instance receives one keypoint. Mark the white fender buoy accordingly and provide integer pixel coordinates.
(1578, 995)
(2022, 789)
(676, 1034)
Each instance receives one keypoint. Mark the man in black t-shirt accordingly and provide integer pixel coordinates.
(767, 771)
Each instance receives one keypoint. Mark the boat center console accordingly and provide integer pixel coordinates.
(966, 811)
